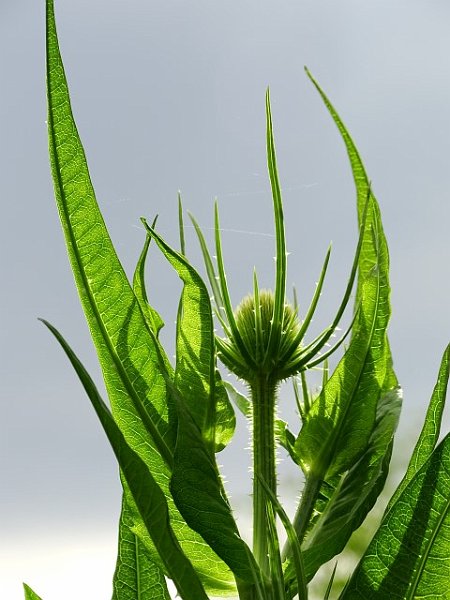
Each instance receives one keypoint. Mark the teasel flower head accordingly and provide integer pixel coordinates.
(264, 336)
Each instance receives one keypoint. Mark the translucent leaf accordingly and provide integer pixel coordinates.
(198, 492)
(154, 320)
(147, 495)
(431, 428)
(350, 498)
(136, 575)
(196, 375)
(132, 360)
(409, 558)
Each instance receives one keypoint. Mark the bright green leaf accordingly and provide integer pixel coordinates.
(349, 400)
(29, 594)
(130, 356)
(431, 428)
(374, 252)
(146, 493)
(154, 320)
(348, 499)
(198, 492)
(196, 375)
(136, 577)
(409, 558)
(341, 418)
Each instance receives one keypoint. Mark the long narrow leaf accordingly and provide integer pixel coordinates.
(298, 563)
(210, 271)
(106, 295)
(342, 419)
(129, 355)
(281, 260)
(146, 493)
(372, 254)
(376, 374)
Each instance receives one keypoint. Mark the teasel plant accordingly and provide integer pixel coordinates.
(263, 345)
(167, 422)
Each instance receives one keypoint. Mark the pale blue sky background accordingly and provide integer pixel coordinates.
(169, 95)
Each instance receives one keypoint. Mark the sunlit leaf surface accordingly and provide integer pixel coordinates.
(409, 556)
(136, 576)
(130, 356)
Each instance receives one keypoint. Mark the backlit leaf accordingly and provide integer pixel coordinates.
(131, 358)
(409, 558)
(431, 428)
(137, 576)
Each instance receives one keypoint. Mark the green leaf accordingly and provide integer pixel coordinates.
(342, 418)
(345, 501)
(127, 352)
(374, 252)
(238, 399)
(409, 558)
(210, 271)
(146, 493)
(132, 361)
(196, 375)
(198, 492)
(330, 583)
(298, 563)
(286, 439)
(136, 575)
(281, 259)
(154, 320)
(225, 416)
(429, 435)
(29, 594)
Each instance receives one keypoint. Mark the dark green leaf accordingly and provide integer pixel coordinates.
(409, 558)
(330, 583)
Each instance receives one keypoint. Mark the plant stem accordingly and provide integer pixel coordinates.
(304, 510)
(263, 392)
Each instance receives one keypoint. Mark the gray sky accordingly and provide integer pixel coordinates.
(168, 96)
